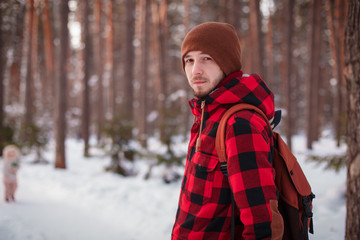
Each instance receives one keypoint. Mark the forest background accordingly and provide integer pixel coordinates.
(111, 70)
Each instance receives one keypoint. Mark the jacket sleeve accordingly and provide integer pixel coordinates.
(251, 175)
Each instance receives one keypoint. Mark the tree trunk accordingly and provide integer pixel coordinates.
(15, 67)
(109, 60)
(28, 118)
(203, 11)
(87, 75)
(256, 47)
(187, 19)
(289, 21)
(99, 56)
(163, 28)
(336, 19)
(144, 77)
(223, 9)
(34, 57)
(2, 63)
(156, 60)
(237, 6)
(49, 53)
(231, 17)
(270, 52)
(352, 75)
(185, 110)
(127, 107)
(60, 128)
(79, 66)
(314, 75)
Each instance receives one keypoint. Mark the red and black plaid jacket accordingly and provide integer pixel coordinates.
(204, 210)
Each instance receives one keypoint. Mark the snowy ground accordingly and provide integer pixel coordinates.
(84, 202)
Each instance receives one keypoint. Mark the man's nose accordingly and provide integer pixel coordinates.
(197, 68)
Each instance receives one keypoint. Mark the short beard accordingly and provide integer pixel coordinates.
(197, 78)
(200, 95)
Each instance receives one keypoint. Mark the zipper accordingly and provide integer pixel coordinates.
(198, 140)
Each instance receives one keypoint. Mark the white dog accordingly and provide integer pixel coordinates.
(10, 167)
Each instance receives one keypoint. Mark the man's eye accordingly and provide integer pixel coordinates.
(207, 58)
(189, 60)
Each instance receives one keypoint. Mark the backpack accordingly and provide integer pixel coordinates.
(295, 196)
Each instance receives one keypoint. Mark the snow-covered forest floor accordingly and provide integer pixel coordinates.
(85, 202)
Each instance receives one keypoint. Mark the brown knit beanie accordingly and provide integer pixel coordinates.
(219, 40)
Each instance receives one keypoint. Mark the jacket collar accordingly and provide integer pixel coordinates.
(237, 88)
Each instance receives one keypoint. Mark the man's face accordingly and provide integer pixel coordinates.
(202, 72)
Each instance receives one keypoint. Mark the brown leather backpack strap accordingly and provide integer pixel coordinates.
(220, 134)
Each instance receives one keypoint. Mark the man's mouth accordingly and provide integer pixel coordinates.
(199, 80)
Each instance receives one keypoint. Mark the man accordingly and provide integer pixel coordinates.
(211, 59)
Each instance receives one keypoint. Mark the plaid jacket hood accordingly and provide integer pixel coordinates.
(205, 197)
